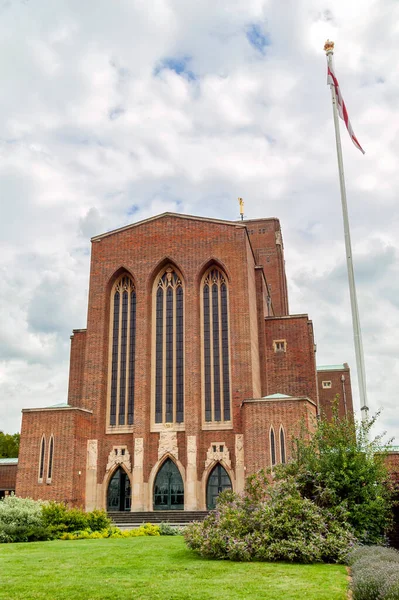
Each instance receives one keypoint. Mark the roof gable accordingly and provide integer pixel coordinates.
(164, 215)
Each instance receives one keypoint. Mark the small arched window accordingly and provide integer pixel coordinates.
(168, 311)
(216, 350)
(41, 458)
(282, 445)
(50, 460)
(122, 353)
(272, 447)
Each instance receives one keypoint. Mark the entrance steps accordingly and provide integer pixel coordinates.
(130, 520)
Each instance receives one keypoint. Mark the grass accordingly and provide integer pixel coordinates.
(153, 568)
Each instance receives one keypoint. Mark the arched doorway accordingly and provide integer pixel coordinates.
(218, 481)
(119, 494)
(168, 488)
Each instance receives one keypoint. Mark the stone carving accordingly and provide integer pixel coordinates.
(191, 450)
(218, 451)
(92, 450)
(119, 455)
(138, 452)
(239, 450)
(168, 444)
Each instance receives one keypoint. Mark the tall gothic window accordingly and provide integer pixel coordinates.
(41, 458)
(122, 352)
(282, 445)
(216, 359)
(272, 447)
(50, 460)
(169, 352)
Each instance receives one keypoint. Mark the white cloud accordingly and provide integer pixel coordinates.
(97, 131)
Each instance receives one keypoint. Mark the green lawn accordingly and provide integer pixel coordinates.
(153, 568)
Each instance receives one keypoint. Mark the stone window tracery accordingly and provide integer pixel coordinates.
(169, 347)
(122, 352)
(216, 352)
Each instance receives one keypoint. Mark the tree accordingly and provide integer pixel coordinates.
(9, 445)
(339, 466)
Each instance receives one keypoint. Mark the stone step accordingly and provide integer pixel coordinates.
(165, 516)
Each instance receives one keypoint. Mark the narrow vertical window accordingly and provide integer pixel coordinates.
(179, 355)
(169, 347)
(50, 460)
(216, 352)
(272, 447)
(132, 356)
(122, 352)
(282, 445)
(41, 457)
(159, 357)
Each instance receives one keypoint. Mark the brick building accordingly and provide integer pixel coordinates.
(190, 376)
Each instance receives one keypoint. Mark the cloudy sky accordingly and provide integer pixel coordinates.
(111, 112)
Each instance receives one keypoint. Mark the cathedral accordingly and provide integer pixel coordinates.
(190, 376)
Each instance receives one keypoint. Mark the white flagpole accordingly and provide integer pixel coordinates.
(361, 373)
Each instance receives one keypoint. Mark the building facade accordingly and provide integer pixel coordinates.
(190, 376)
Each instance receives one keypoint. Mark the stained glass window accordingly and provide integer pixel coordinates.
(169, 347)
(216, 356)
(123, 345)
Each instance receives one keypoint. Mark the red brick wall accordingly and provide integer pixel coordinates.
(328, 395)
(191, 245)
(70, 429)
(292, 372)
(262, 312)
(259, 416)
(76, 366)
(392, 461)
(265, 236)
(8, 476)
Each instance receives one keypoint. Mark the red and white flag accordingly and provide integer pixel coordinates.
(343, 113)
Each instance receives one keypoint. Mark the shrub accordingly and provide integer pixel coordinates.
(340, 466)
(98, 520)
(112, 532)
(270, 523)
(168, 529)
(375, 573)
(59, 519)
(21, 520)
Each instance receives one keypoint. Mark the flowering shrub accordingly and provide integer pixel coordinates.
(375, 573)
(270, 523)
(21, 520)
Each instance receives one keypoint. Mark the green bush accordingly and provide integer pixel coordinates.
(60, 519)
(21, 520)
(270, 523)
(168, 529)
(27, 520)
(375, 573)
(341, 467)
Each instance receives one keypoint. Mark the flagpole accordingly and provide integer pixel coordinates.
(361, 373)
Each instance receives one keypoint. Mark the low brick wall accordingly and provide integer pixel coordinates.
(8, 476)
